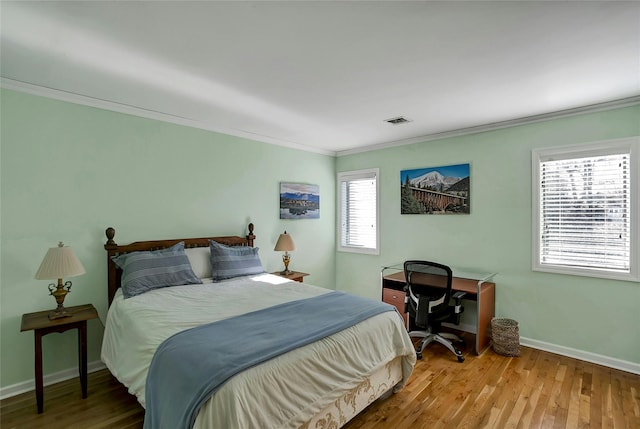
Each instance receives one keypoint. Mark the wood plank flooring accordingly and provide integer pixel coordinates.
(536, 390)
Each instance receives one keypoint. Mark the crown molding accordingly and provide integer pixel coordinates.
(127, 109)
(600, 107)
(71, 97)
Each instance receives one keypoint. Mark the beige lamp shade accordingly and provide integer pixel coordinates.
(58, 263)
(285, 243)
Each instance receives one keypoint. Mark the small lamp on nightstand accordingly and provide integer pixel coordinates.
(285, 244)
(59, 262)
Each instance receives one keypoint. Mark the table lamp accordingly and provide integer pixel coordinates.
(285, 244)
(59, 262)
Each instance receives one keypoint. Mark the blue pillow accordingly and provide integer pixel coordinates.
(147, 270)
(228, 262)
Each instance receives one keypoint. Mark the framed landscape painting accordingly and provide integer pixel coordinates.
(435, 190)
(299, 201)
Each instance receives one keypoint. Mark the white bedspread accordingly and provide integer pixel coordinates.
(284, 392)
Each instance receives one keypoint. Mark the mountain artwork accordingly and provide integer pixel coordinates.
(299, 201)
(435, 190)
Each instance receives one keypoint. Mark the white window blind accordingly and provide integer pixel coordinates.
(585, 211)
(358, 208)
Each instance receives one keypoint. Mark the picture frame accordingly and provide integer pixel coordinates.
(299, 201)
(436, 190)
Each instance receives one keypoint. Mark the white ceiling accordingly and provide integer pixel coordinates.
(324, 76)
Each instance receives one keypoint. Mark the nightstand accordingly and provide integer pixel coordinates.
(296, 276)
(40, 324)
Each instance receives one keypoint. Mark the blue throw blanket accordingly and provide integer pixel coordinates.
(191, 365)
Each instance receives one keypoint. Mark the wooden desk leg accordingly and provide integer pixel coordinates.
(479, 330)
(38, 365)
(82, 356)
(486, 312)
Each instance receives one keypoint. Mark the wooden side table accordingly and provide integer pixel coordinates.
(41, 325)
(296, 276)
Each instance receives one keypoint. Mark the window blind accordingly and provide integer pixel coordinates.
(585, 212)
(358, 210)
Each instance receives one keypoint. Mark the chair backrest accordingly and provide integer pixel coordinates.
(429, 278)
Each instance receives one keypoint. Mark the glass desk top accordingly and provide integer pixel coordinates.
(460, 272)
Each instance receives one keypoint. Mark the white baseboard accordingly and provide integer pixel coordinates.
(607, 361)
(29, 385)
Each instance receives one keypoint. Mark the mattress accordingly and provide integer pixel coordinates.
(284, 392)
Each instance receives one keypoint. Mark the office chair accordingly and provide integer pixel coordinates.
(428, 292)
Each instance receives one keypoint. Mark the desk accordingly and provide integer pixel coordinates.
(40, 324)
(478, 286)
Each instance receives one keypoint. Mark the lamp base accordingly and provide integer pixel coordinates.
(59, 314)
(286, 259)
(59, 293)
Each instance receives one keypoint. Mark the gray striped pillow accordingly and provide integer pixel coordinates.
(147, 270)
(233, 261)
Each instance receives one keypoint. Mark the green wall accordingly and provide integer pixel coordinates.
(69, 171)
(592, 315)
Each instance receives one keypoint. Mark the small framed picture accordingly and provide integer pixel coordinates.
(299, 201)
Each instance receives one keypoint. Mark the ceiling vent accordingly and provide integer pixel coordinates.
(397, 121)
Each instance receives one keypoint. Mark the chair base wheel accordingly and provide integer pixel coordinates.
(418, 355)
(460, 359)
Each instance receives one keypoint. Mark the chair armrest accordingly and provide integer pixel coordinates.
(458, 295)
(458, 308)
(406, 298)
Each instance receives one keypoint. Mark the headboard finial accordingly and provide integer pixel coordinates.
(250, 236)
(110, 233)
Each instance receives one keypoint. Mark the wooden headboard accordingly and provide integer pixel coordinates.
(113, 249)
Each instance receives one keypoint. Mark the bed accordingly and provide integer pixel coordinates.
(321, 384)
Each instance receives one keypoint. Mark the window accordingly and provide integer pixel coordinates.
(585, 202)
(358, 211)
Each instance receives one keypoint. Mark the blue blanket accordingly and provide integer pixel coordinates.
(191, 365)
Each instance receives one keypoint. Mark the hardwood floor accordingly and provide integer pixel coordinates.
(536, 390)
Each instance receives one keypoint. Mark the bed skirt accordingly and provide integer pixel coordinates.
(350, 404)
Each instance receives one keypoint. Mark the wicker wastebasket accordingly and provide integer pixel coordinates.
(506, 336)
